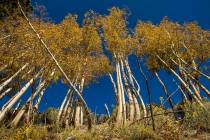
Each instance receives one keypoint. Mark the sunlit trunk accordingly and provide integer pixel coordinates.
(62, 105)
(134, 94)
(166, 93)
(17, 96)
(18, 117)
(119, 117)
(78, 115)
(130, 98)
(123, 96)
(5, 93)
(107, 110)
(12, 77)
(183, 82)
(60, 69)
(140, 97)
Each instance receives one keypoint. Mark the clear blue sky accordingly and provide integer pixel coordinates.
(147, 10)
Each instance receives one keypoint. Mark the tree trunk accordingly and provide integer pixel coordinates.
(123, 96)
(182, 81)
(166, 93)
(62, 105)
(5, 93)
(134, 94)
(119, 117)
(130, 98)
(12, 77)
(17, 96)
(78, 115)
(18, 117)
(61, 70)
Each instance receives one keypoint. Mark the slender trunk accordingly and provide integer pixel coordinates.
(12, 77)
(115, 88)
(62, 105)
(182, 81)
(130, 98)
(39, 99)
(149, 94)
(67, 104)
(166, 93)
(140, 97)
(107, 110)
(17, 106)
(194, 79)
(60, 69)
(78, 115)
(197, 93)
(123, 96)
(134, 94)
(17, 96)
(5, 93)
(119, 117)
(18, 117)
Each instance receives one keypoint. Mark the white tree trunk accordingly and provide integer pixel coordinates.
(119, 117)
(12, 77)
(130, 98)
(62, 105)
(78, 115)
(123, 96)
(17, 96)
(134, 94)
(182, 81)
(5, 93)
(61, 70)
(17, 118)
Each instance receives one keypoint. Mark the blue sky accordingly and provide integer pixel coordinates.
(101, 92)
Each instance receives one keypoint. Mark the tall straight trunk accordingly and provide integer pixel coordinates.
(115, 88)
(60, 69)
(123, 96)
(78, 121)
(62, 105)
(119, 117)
(149, 94)
(67, 104)
(17, 96)
(166, 93)
(134, 94)
(187, 74)
(182, 92)
(182, 81)
(20, 114)
(12, 77)
(130, 98)
(140, 97)
(36, 105)
(5, 93)
(17, 106)
(192, 67)
(107, 110)
(195, 89)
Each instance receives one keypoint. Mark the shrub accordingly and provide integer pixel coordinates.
(196, 118)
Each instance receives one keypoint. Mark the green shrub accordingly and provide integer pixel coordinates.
(196, 118)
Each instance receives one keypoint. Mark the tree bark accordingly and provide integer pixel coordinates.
(61, 70)
(17, 118)
(130, 98)
(182, 81)
(12, 77)
(134, 94)
(17, 96)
